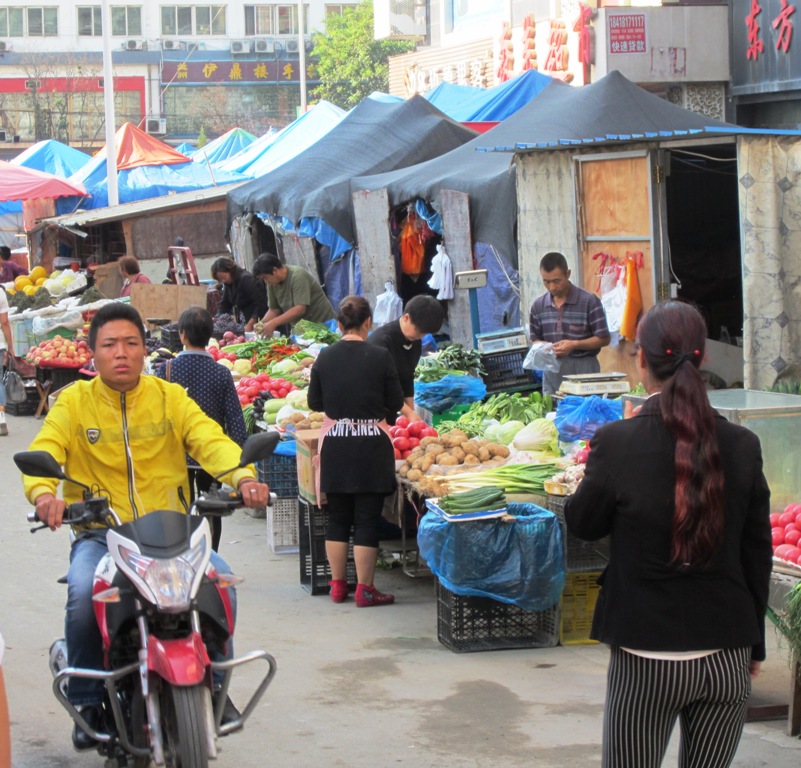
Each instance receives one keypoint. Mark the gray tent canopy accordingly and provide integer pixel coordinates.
(559, 115)
(374, 137)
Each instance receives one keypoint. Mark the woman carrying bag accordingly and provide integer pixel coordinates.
(7, 357)
(357, 387)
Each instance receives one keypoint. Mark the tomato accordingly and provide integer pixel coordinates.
(402, 421)
(428, 432)
(774, 520)
(252, 391)
(792, 554)
(397, 454)
(782, 549)
(401, 443)
(798, 519)
(793, 508)
(785, 518)
(405, 454)
(792, 537)
(401, 432)
(777, 536)
(416, 427)
(414, 442)
(243, 400)
(393, 431)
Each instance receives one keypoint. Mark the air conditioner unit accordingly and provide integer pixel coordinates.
(240, 46)
(156, 125)
(2, 135)
(173, 45)
(134, 45)
(399, 19)
(264, 46)
(292, 46)
(3, 46)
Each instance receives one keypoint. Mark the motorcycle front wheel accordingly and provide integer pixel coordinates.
(183, 727)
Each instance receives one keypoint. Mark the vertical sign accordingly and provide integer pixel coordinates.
(627, 33)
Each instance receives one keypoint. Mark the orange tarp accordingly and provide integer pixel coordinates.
(136, 148)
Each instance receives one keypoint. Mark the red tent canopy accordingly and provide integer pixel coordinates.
(136, 148)
(20, 183)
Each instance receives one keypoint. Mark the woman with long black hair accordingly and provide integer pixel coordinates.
(683, 598)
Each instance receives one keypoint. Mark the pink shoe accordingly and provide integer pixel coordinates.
(339, 590)
(368, 596)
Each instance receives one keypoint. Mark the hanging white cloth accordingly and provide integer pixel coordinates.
(388, 306)
(442, 275)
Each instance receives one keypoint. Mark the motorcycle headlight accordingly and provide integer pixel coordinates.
(170, 581)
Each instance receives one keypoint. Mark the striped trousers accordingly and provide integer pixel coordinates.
(645, 696)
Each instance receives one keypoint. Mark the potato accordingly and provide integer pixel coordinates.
(404, 470)
(417, 463)
(414, 475)
(458, 433)
(426, 441)
(427, 461)
(297, 417)
(435, 449)
(470, 447)
(446, 460)
(498, 450)
(416, 454)
(471, 459)
(483, 454)
(457, 454)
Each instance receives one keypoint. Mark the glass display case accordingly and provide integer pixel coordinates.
(776, 419)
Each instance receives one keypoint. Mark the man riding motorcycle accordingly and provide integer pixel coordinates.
(127, 435)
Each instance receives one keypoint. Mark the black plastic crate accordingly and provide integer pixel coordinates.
(171, 339)
(281, 474)
(580, 556)
(58, 377)
(467, 624)
(504, 371)
(315, 573)
(26, 408)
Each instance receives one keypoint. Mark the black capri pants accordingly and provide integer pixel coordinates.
(360, 512)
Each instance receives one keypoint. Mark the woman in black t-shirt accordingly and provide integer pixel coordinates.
(357, 387)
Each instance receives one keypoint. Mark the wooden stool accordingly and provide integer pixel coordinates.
(43, 390)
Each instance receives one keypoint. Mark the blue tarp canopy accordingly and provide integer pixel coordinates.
(223, 147)
(185, 148)
(472, 105)
(374, 136)
(274, 149)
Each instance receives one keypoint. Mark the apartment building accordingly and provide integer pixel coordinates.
(177, 67)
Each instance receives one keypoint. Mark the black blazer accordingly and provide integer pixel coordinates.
(645, 603)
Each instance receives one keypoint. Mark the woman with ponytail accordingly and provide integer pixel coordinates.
(682, 603)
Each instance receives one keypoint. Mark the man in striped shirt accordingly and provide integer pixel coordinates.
(570, 318)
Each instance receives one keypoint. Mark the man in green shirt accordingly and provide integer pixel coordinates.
(292, 294)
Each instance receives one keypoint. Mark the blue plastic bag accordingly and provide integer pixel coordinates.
(578, 418)
(520, 563)
(450, 390)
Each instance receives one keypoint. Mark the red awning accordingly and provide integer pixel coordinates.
(20, 183)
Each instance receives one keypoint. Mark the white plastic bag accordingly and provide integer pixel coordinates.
(614, 302)
(388, 306)
(541, 357)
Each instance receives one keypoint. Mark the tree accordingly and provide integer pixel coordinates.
(351, 62)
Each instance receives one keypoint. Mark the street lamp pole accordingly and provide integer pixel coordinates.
(108, 103)
(302, 57)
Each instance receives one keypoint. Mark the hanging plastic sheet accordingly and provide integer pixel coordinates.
(499, 301)
(316, 228)
(342, 277)
(429, 215)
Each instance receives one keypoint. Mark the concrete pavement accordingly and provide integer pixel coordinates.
(354, 688)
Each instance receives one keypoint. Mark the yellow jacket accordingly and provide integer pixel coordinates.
(132, 445)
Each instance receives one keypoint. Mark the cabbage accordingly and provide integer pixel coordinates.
(297, 399)
(503, 434)
(226, 364)
(283, 367)
(540, 435)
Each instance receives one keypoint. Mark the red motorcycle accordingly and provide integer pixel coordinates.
(162, 611)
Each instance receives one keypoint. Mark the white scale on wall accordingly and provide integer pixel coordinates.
(614, 383)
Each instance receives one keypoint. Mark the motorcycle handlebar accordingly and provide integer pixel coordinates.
(90, 511)
(221, 502)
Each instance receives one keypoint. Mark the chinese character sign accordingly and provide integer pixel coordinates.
(627, 33)
(195, 72)
(784, 26)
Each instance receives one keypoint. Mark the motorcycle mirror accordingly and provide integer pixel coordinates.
(256, 447)
(41, 464)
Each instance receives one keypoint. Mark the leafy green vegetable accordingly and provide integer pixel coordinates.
(315, 332)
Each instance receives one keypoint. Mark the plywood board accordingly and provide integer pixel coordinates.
(371, 215)
(615, 196)
(455, 209)
(108, 280)
(166, 300)
(299, 251)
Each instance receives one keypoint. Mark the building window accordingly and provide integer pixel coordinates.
(274, 19)
(42, 22)
(90, 23)
(11, 22)
(192, 20)
(126, 20)
(337, 9)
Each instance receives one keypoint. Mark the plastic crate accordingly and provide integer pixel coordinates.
(578, 605)
(282, 526)
(580, 556)
(57, 376)
(281, 474)
(505, 372)
(315, 573)
(171, 339)
(466, 624)
(26, 408)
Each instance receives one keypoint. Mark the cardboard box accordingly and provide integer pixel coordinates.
(53, 396)
(307, 442)
(166, 301)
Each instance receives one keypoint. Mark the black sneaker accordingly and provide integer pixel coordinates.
(80, 739)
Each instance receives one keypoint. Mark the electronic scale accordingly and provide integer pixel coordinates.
(614, 383)
(502, 341)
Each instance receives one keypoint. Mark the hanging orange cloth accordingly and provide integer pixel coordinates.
(631, 312)
(412, 247)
